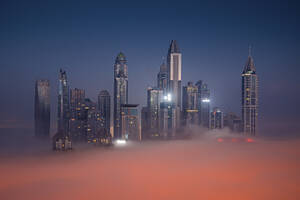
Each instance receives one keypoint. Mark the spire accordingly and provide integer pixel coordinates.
(249, 66)
(174, 47)
(121, 57)
(163, 66)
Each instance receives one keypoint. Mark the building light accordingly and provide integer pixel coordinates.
(206, 100)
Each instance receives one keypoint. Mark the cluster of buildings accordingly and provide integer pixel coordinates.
(171, 108)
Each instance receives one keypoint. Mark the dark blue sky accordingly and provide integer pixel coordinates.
(84, 37)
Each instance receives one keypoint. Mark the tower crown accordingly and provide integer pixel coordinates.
(121, 57)
(174, 47)
(249, 66)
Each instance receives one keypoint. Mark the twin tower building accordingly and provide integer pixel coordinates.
(170, 107)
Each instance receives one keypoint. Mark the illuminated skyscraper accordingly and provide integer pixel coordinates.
(42, 108)
(63, 114)
(249, 97)
(77, 98)
(189, 104)
(174, 79)
(120, 91)
(203, 104)
(167, 123)
(104, 108)
(216, 119)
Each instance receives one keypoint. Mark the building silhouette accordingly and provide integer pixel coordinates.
(120, 91)
(42, 108)
(249, 97)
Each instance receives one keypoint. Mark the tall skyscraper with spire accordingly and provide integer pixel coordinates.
(63, 104)
(174, 79)
(42, 108)
(120, 91)
(249, 97)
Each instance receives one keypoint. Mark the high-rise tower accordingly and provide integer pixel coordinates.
(63, 104)
(120, 91)
(174, 79)
(203, 104)
(104, 108)
(189, 104)
(249, 97)
(162, 77)
(42, 108)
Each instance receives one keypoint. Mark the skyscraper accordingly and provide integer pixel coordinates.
(162, 77)
(130, 122)
(249, 97)
(203, 104)
(174, 79)
(42, 108)
(104, 108)
(189, 104)
(167, 123)
(120, 91)
(154, 98)
(216, 119)
(63, 104)
(77, 98)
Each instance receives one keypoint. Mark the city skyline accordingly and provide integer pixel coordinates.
(213, 52)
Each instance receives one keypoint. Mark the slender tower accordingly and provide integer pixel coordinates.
(120, 91)
(63, 104)
(42, 108)
(249, 97)
(174, 79)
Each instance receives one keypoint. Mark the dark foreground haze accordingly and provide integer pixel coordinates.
(189, 169)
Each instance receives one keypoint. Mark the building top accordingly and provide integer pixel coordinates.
(104, 93)
(249, 66)
(174, 47)
(121, 57)
(62, 74)
(163, 67)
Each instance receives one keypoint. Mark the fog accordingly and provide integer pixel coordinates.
(197, 168)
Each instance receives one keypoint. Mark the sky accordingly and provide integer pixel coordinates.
(37, 38)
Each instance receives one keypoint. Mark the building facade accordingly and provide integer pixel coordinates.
(162, 77)
(154, 98)
(216, 119)
(63, 104)
(77, 99)
(203, 104)
(249, 98)
(120, 91)
(104, 108)
(174, 79)
(42, 108)
(130, 122)
(189, 104)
